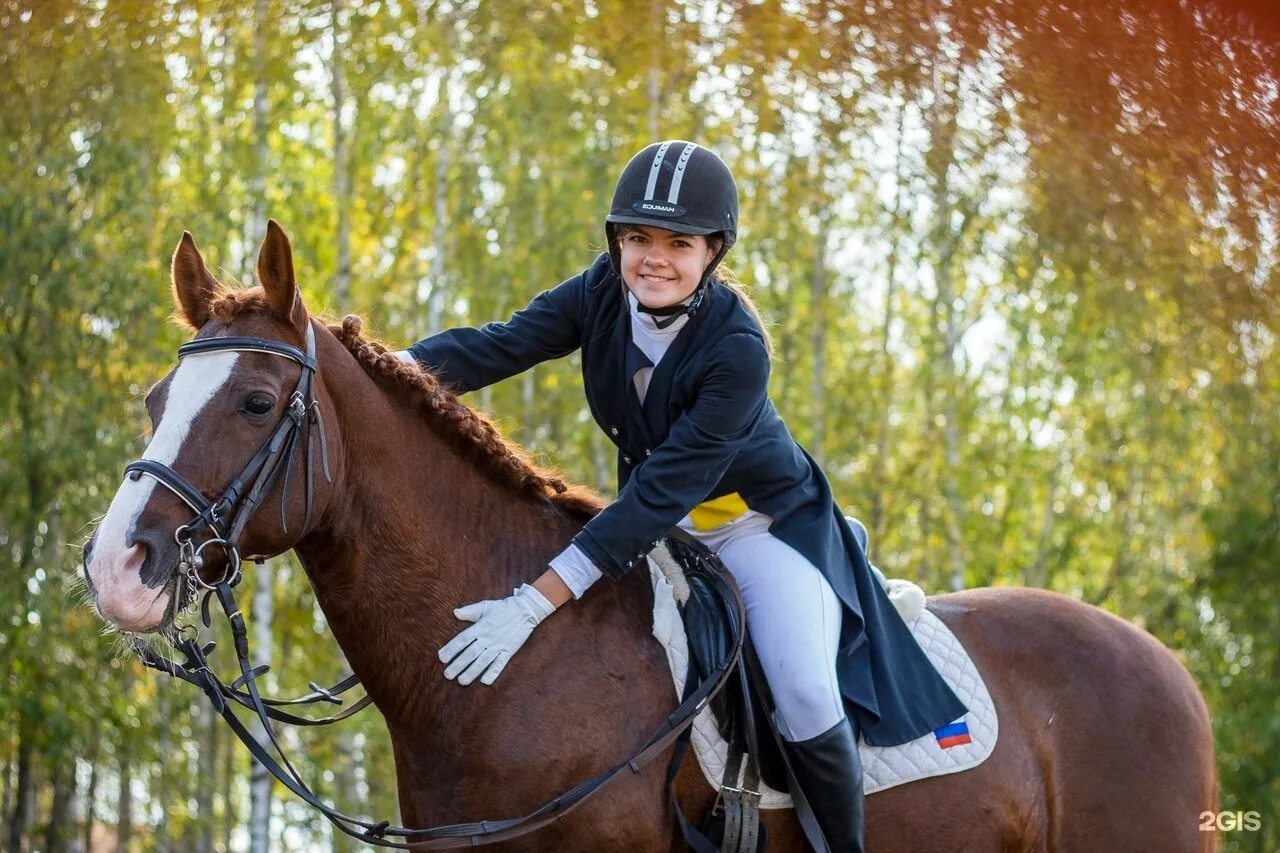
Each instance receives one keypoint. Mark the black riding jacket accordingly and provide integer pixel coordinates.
(707, 429)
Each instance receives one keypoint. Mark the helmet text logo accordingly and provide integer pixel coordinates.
(660, 208)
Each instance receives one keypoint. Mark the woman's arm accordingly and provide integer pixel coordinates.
(553, 588)
(549, 327)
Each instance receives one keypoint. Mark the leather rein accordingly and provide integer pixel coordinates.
(225, 520)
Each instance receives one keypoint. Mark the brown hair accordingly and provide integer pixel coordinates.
(726, 276)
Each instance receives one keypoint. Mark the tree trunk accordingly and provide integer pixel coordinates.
(63, 783)
(228, 746)
(346, 784)
(341, 161)
(528, 404)
(161, 787)
(945, 240)
(206, 723)
(657, 44)
(435, 302)
(818, 341)
(6, 793)
(21, 794)
(260, 780)
(124, 807)
(75, 812)
(90, 801)
(879, 521)
(261, 152)
(1038, 574)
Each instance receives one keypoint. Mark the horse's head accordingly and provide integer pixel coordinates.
(243, 402)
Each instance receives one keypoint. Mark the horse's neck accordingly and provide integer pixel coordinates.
(414, 531)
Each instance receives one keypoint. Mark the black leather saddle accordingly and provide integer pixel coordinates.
(740, 709)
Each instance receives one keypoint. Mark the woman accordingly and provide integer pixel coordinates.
(675, 366)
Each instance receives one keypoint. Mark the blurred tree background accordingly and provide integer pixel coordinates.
(1019, 261)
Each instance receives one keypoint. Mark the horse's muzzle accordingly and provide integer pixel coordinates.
(132, 586)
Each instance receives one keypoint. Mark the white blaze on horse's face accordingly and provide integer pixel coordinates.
(115, 567)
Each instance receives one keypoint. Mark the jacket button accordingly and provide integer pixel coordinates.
(613, 430)
(626, 459)
(647, 452)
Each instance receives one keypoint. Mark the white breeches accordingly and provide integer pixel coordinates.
(794, 619)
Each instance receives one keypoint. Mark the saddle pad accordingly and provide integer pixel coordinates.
(960, 746)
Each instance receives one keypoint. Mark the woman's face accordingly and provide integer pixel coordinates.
(663, 267)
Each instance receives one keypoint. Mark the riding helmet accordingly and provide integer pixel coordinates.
(679, 186)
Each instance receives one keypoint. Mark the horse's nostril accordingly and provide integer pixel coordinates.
(156, 557)
(144, 540)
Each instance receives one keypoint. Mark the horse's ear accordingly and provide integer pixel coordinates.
(193, 285)
(275, 274)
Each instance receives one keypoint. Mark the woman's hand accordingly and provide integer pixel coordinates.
(501, 628)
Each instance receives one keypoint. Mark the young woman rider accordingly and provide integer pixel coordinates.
(675, 367)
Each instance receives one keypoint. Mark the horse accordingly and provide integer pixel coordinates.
(1105, 741)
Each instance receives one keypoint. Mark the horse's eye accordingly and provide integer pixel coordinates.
(258, 405)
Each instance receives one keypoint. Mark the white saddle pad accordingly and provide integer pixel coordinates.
(964, 744)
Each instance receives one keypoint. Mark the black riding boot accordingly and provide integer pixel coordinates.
(829, 773)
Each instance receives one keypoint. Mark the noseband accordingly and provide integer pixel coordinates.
(226, 517)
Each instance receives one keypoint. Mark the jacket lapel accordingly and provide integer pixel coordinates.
(657, 399)
(621, 367)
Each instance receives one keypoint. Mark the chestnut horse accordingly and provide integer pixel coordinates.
(1105, 742)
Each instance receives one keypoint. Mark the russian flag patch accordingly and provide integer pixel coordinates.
(955, 734)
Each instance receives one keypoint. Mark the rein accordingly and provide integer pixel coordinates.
(225, 520)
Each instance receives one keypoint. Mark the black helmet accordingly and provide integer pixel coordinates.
(679, 186)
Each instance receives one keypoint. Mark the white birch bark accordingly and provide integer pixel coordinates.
(260, 780)
(436, 301)
(341, 161)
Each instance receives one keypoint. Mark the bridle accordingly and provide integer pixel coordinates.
(226, 517)
(225, 520)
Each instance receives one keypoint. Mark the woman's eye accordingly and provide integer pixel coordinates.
(258, 405)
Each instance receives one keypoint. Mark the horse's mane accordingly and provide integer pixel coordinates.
(470, 430)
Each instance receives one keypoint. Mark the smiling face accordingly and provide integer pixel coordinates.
(663, 267)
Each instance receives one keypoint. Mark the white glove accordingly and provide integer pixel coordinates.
(501, 628)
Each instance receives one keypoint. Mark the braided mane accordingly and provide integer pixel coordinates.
(507, 461)
(470, 430)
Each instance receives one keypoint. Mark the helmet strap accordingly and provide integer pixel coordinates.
(663, 317)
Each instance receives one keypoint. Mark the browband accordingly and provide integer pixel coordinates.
(246, 344)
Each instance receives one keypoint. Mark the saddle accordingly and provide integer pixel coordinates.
(693, 623)
(742, 709)
(739, 709)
